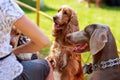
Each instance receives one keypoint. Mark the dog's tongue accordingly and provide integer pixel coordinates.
(80, 48)
(56, 25)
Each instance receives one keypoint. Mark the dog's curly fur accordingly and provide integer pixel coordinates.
(66, 63)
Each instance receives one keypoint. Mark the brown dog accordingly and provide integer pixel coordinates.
(97, 2)
(66, 64)
(99, 40)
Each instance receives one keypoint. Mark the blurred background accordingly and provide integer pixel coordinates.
(88, 12)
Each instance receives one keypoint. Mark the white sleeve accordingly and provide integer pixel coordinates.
(12, 11)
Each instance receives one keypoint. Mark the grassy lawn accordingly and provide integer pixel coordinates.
(104, 15)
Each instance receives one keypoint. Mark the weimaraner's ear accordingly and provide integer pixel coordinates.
(98, 40)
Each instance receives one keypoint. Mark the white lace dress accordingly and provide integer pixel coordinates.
(9, 13)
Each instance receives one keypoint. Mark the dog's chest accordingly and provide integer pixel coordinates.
(60, 52)
(61, 62)
(57, 51)
(61, 58)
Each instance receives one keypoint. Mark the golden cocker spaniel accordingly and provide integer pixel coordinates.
(66, 64)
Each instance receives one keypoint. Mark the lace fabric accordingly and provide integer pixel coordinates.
(9, 13)
(10, 68)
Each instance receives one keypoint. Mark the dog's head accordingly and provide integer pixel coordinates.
(65, 21)
(15, 34)
(92, 38)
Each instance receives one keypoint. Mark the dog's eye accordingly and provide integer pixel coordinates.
(88, 32)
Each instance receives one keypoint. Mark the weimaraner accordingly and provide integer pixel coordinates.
(98, 39)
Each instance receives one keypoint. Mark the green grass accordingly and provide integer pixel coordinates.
(104, 15)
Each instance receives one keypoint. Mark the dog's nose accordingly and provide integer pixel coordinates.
(54, 18)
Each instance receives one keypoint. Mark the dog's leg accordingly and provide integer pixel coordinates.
(88, 3)
(97, 3)
(52, 61)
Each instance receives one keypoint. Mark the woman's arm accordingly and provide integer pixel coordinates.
(38, 39)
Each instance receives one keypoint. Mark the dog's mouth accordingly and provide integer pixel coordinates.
(58, 26)
(80, 48)
(57, 29)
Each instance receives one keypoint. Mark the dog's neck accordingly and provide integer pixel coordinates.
(108, 52)
(60, 40)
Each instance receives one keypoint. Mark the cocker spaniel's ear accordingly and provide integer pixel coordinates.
(98, 40)
(73, 23)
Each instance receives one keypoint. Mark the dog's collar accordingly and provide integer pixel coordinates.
(106, 64)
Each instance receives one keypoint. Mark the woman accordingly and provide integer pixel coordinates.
(10, 69)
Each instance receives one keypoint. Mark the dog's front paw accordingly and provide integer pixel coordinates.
(52, 61)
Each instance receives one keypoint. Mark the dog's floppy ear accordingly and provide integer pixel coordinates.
(98, 40)
(73, 24)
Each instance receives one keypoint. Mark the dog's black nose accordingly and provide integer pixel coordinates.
(54, 18)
